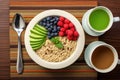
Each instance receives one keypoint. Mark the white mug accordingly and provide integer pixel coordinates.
(89, 29)
(89, 52)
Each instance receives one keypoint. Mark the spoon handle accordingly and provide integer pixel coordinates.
(19, 57)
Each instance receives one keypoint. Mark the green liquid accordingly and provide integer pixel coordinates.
(99, 19)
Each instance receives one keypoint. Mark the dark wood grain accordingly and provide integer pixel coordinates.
(57, 78)
(112, 37)
(4, 48)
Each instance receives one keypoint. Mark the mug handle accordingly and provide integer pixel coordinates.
(119, 61)
(116, 19)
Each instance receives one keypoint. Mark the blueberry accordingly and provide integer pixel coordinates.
(55, 27)
(44, 20)
(58, 28)
(52, 20)
(49, 18)
(56, 34)
(55, 22)
(56, 18)
(48, 22)
(51, 24)
(49, 34)
(43, 24)
(46, 27)
(53, 31)
(49, 29)
(52, 34)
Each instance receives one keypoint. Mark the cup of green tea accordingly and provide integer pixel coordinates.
(99, 19)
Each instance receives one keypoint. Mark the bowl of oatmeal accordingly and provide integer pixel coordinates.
(54, 39)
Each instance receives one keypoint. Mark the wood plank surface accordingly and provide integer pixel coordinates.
(4, 40)
(30, 8)
(51, 4)
(8, 60)
(112, 37)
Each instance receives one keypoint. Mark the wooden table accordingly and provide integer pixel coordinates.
(112, 37)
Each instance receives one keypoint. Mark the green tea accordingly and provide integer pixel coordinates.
(99, 19)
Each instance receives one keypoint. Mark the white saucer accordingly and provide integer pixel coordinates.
(86, 28)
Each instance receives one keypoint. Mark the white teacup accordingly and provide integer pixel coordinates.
(101, 56)
(87, 26)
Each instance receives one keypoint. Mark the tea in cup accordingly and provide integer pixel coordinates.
(101, 56)
(98, 20)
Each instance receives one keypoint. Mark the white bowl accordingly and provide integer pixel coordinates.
(55, 65)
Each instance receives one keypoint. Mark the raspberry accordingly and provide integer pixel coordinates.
(61, 33)
(61, 18)
(70, 33)
(67, 29)
(76, 34)
(62, 29)
(71, 25)
(60, 23)
(72, 29)
(66, 26)
(75, 38)
(70, 37)
(66, 32)
(66, 21)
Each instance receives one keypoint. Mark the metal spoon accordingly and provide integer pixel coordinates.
(19, 25)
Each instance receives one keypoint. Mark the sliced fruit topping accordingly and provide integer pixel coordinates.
(35, 47)
(39, 28)
(67, 28)
(37, 37)
(37, 32)
(50, 23)
(35, 40)
(50, 27)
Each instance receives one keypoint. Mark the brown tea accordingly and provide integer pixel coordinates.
(102, 57)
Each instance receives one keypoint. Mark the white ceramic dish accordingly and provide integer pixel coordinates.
(55, 65)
